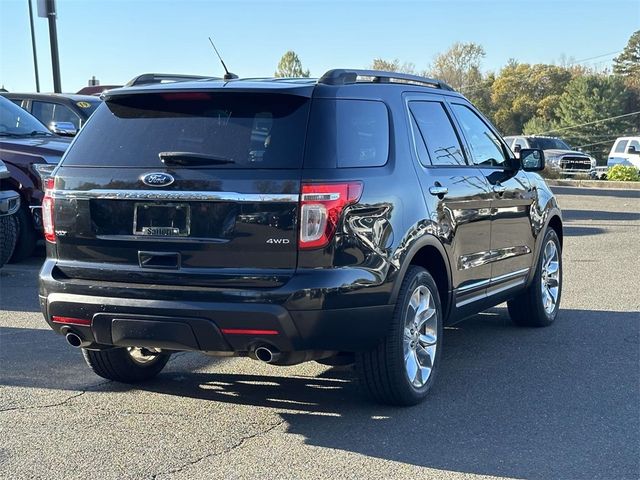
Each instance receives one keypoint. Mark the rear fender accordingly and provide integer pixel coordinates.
(406, 252)
(548, 216)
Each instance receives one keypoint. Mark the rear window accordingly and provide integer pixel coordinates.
(249, 130)
(347, 133)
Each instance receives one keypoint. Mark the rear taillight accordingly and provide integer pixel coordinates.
(47, 212)
(321, 206)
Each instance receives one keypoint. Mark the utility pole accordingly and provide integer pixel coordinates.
(47, 9)
(33, 46)
(53, 39)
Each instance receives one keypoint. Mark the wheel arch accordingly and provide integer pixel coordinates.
(554, 221)
(428, 253)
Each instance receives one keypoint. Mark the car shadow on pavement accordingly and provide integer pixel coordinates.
(597, 192)
(581, 215)
(509, 401)
(580, 231)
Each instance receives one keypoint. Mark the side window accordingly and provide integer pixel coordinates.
(43, 111)
(621, 146)
(62, 113)
(486, 148)
(437, 133)
(635, 144)
(53, 112)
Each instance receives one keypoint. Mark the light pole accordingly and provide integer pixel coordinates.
(53, 39)
(47, 9)
(33, 46)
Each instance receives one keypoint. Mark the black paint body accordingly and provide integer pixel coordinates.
(481, 246)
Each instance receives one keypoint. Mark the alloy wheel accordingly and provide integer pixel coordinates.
(420, 336)
(550, 278)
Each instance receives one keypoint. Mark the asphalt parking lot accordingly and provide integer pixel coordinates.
(561, 402)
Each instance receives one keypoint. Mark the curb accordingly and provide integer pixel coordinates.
(605, 184)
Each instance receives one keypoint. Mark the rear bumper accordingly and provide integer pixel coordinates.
(191, 322)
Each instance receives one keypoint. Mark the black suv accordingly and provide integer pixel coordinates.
(345, 219)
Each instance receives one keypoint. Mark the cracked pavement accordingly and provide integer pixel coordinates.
(562, 402)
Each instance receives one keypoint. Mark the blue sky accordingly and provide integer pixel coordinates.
(118, 39)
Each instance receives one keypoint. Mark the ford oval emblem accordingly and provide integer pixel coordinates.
(157, 179)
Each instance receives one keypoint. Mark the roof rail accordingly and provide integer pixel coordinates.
(343, 77)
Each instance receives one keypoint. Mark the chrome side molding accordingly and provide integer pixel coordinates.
(482, 258)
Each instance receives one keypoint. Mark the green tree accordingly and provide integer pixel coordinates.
(522, 91)
(459, 66)
(590, 100)
(627, 64)
(393, 66)
(538, 125)
(290, 66)
(480, 94)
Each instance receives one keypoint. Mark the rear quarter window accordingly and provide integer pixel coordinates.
(347, 133)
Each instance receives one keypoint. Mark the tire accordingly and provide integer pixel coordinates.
(8, 237)
(27, 236)
(529, 309)
(384, 371)
(121, 365)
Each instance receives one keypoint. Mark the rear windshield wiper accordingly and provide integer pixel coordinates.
(192, 159)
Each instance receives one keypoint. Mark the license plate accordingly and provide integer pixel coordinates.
(162, 220)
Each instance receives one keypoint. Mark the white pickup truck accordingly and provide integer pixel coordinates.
(558, 155)
(625, 151)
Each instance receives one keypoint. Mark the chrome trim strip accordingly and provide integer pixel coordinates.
(489, 256)
(493, 282)
(469, 300)
(505, 286)
(173, 195)
(507, 276)
(488, 293)
(473, 286)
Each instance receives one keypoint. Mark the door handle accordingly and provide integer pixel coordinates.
(499, 189)
(438, 190)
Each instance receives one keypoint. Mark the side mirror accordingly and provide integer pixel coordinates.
(532, 159)
(517, 148)
(632, 150)
(67, 129)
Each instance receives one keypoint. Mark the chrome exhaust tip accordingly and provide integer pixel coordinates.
(73, 339)
(266, 355)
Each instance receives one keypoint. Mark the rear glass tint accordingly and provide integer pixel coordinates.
(249, 130)
(347, 133)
